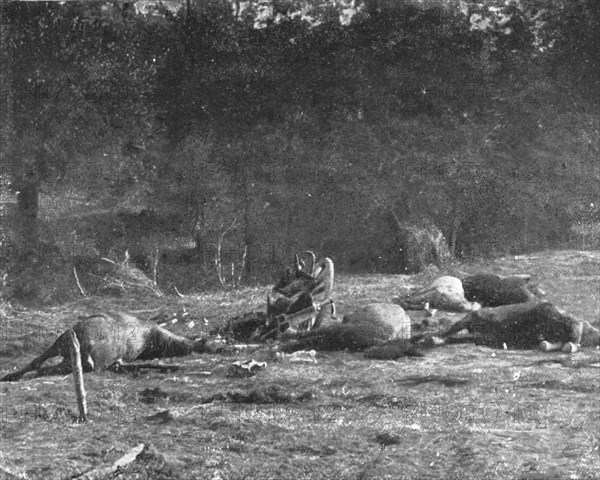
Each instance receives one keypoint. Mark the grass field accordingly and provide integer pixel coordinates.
(460, 412)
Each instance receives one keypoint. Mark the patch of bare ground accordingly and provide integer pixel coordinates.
(460, 412)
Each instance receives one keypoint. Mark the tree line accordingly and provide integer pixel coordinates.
(312, 124)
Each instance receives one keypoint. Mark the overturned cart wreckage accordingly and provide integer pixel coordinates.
(300, 309)
(298, 302)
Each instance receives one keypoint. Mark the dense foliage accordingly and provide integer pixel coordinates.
(311, 126)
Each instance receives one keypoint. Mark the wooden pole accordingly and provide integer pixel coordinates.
(78, 376)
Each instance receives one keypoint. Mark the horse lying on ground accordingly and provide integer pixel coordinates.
(108, 338)
(492, 290)
(445, 293)
(526, 326)
(382, 330)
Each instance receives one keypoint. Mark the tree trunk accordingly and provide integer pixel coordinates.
(188, 8)
(252, 253)
(200, 231)
(27, 222)
(249, 240)
(454, 234)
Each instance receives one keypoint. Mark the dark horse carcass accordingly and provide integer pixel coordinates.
(525, 326)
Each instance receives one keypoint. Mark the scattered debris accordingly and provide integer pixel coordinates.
(247, 368)
(135, 368)
(301, 356)
(164, 416)
(150, 395)
(270, 394)
(386, 438)
(125, 460)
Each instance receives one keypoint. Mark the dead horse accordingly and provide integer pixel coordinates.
(109, 337)
(527, 326)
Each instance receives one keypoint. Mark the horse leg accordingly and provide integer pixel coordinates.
(63, 368)
(464, 324)
(546, 346)
(36, 363)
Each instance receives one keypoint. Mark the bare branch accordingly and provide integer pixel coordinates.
(78, 284)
